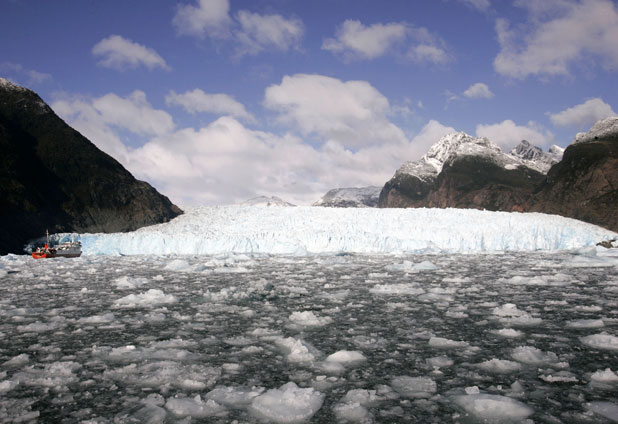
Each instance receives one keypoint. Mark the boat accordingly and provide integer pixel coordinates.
(68, 249)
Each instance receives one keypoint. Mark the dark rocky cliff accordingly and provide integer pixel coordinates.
(584, 185)
(51, 177)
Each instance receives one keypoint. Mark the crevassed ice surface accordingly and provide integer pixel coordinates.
(298, 230)
(513, 337)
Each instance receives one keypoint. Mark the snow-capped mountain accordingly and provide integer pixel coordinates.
(534, 157)
(466, 172)
(604, 128)
(456, 145)
(353, 197)
(266, 201)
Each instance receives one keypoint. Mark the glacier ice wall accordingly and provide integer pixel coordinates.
(300, 230)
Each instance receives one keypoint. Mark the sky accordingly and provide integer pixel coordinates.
(218, 101)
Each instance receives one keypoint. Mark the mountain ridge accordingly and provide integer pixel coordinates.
(52, 177)
(465, 172)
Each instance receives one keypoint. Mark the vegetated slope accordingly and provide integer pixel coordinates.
(51, 177)
(466, 172)
(584, 185)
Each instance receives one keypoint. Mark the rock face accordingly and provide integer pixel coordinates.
(584, 185)
(535, 158)
(465, 172)
(363, 197)
(51, 177)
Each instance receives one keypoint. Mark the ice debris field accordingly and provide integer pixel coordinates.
(435, 337)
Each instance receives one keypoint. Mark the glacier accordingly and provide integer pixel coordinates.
(310, 230)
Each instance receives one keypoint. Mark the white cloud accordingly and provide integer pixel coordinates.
(507, 134)
(368, 42)
(262, 32)
(98, 119)
(133, 113)
(119, 53)
(207, 17)
(225, 162)
(352, 113)
(196, 101)
(354, 40)
(478, 91)
(252, 33)
(481, 5)
(31, 76)
(583, 115)
(557, 36)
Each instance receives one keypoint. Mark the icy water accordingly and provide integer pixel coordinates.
(431, 339)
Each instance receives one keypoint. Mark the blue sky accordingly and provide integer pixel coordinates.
(217, 101)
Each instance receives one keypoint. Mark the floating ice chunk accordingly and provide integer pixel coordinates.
(605, 376)
(296, 350)
(507, 332)
(508, 310)
(330, 367)
(532, 355)
(97, 319)
(493, 408)
(39, 327)
(414, 387)
(500, 366)
(352, 412)
(152, 297)
(559, 377)
(602, 341)
(53, 375)
(195, 407)
(442, 343)
(472, 390)
(18, 361)
(234, 397)
(510, 315)
(126, 282)
(425, 266)
(401, 288)
(586, 323)
(309, 319)
(162, 373)
(287, 404)
(605, 409)
(362, 397)
(8, 385)
(408, 266)
(347, 357)
(439, 362)
(150, 414)
(177, 265)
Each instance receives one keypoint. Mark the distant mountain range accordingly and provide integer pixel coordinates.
(51, 177)
(461, 171)
(362, 197)
(266, 201)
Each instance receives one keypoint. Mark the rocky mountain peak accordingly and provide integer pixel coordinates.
(525, 150)
(604, 128)
(352, 197)
(266, 201)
